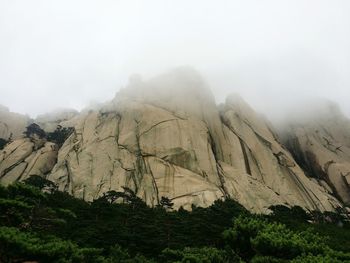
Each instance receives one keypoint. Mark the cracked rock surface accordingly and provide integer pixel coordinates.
(167, 137)
(321, 145)
(25, 157)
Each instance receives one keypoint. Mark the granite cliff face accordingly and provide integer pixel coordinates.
(25, 157)
(320, 143)
(166, 137)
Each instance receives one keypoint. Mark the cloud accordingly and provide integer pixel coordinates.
(274, 53)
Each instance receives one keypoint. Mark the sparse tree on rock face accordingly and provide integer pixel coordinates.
(34, 129)
(10, 138)
(60, 135)
(166, 203)
(3, 143)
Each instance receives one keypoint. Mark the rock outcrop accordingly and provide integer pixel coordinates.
(166, 137)
(265, 161)
(320, 143)
(49, 121)
(12, 124)
(25, 157)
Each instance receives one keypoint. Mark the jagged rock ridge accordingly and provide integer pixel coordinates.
(167, 137)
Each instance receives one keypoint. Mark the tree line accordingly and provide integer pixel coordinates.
(39, 223)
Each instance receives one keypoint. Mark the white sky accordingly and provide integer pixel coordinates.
(67, 53)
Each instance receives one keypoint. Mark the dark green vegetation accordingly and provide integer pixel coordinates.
(34, 129)
(39, 223)
(58, 136)
(2, 143)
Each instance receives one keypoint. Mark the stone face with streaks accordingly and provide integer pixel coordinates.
(22, 158)
(320, 142)
(167, 137)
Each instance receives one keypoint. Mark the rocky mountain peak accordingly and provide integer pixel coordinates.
(182, 90)
(165, 137)
(320, 142)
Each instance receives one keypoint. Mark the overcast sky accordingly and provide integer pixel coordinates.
(68, 53)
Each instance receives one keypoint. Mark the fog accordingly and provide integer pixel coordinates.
(69, 54)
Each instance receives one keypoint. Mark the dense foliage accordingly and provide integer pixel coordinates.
(40, 223)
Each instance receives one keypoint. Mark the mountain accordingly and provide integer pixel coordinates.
(167, 137)
(11, 124)
(49, 121)
(320, 143)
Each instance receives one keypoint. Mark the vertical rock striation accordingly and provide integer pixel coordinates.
(166, 137)
(320, 143)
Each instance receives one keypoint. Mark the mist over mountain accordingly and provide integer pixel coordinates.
(273, 54)
(168, 131)
(167, 137)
